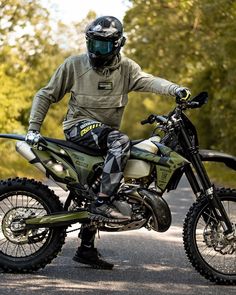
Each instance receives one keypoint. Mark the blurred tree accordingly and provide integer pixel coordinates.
(71, 37)
(28, 56)
(30, 51)
(192, 43)
(71, 41)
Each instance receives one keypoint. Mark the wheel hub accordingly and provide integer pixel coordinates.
(214, 237)
(13, 225)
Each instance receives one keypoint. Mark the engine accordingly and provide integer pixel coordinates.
(145, 207)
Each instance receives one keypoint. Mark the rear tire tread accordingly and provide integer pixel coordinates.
(58, 237)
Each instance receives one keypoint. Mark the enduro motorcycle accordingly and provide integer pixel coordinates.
(34, 222)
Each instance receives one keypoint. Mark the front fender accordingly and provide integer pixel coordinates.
(215, 156)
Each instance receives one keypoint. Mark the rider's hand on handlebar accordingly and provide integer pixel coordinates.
(32, 137)
(182, 94)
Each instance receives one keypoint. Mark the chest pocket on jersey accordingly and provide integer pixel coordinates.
(105, 85)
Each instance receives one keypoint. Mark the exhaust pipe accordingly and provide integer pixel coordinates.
(25, 150)
(161, 215)
(161, 210)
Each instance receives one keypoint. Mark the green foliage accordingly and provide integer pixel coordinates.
(28, 56)
(221, 175)
(191, 42)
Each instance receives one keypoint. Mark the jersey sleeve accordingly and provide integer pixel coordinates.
(143, 82)
(59, 84)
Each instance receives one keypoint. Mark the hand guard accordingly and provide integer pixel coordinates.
(182, 94)
(32, 137)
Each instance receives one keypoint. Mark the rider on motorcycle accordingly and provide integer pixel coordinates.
(99, 82)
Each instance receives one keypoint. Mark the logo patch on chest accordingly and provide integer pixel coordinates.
(105, 86)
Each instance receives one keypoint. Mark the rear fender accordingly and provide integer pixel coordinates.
(215, 156)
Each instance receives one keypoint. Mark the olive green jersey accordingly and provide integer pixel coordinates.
(98, 95)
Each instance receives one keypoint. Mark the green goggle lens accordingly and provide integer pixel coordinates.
(99, 47)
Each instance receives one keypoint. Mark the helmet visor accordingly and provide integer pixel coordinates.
(99, 47)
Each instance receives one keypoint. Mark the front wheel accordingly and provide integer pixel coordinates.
(21, 249)
(207, 248)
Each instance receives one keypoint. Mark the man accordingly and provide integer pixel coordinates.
(99, 82)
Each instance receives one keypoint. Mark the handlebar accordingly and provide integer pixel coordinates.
(151, 119)
(155, 118)
(195, 102)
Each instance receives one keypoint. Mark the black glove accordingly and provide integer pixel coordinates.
(32, 137)
(182, 94)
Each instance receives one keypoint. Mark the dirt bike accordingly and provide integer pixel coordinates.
(34, 221)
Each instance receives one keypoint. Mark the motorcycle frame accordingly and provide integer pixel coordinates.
(200, 183)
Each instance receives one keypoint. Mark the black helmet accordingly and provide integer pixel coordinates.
(104, 40)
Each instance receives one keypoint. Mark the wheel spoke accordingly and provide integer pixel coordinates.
(13, 208)
(15, 250)
(216, 241)
(6, 245)
(209, 250)
(3, 242)
(23, 249)
(5, 206)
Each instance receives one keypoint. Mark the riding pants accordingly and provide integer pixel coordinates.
(116, 146)
(113, 143)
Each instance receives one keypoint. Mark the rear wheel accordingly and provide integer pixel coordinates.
(209, 251)
(24, 250)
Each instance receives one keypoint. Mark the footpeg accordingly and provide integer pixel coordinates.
(100, 218)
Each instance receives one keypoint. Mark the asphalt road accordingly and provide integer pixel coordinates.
(146, 263)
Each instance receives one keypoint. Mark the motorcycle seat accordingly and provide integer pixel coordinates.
(136, 141)
(82, 149)
(76, 147)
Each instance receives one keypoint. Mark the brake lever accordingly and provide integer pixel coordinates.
(193, 104)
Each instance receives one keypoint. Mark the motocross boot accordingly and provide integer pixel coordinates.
(108, 212)
(91, 257)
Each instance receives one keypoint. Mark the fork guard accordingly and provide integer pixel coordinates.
(215, 156)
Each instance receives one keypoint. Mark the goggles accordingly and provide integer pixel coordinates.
(99, 47)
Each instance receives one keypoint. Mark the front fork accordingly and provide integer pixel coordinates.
(207, 187)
